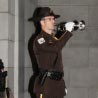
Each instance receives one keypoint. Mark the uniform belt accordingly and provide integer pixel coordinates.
(55, 75)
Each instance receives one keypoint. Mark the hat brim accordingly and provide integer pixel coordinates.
(56, 16)
(39, 18)
(34, 19)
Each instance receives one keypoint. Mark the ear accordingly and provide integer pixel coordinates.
(42, 22)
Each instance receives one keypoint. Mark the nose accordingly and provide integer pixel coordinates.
(53, 21)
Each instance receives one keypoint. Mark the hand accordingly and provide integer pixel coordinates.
(69, 26)
(66, 91)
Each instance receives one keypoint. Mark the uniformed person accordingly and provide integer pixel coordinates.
(47, 48)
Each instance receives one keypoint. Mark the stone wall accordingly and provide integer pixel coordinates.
(79, 55)
(81, 52)
(29, 29)
(7, 37)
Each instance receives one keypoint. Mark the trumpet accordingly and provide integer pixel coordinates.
(77, 25)
(61, 27)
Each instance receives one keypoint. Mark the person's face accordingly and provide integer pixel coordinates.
(49, 22)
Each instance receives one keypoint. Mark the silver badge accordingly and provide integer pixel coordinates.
(41, 40)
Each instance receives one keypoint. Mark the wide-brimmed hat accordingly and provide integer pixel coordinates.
(42, 12)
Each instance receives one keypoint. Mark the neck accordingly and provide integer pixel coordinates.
(48, 31)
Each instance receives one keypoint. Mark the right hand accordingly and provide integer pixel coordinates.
(69, 26)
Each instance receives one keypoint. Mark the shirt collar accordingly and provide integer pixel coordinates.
(48, 37)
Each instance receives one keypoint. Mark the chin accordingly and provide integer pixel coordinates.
(53, 28)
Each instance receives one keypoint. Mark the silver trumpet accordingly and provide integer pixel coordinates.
(61, 28)
(77, 26)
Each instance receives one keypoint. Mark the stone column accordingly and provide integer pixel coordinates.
(29, 29)
(19, 50)
(12, 43)
(7, 38)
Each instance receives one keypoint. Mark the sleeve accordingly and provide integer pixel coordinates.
(53, 47)
(64, 38)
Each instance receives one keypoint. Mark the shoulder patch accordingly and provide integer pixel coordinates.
(41, 40)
